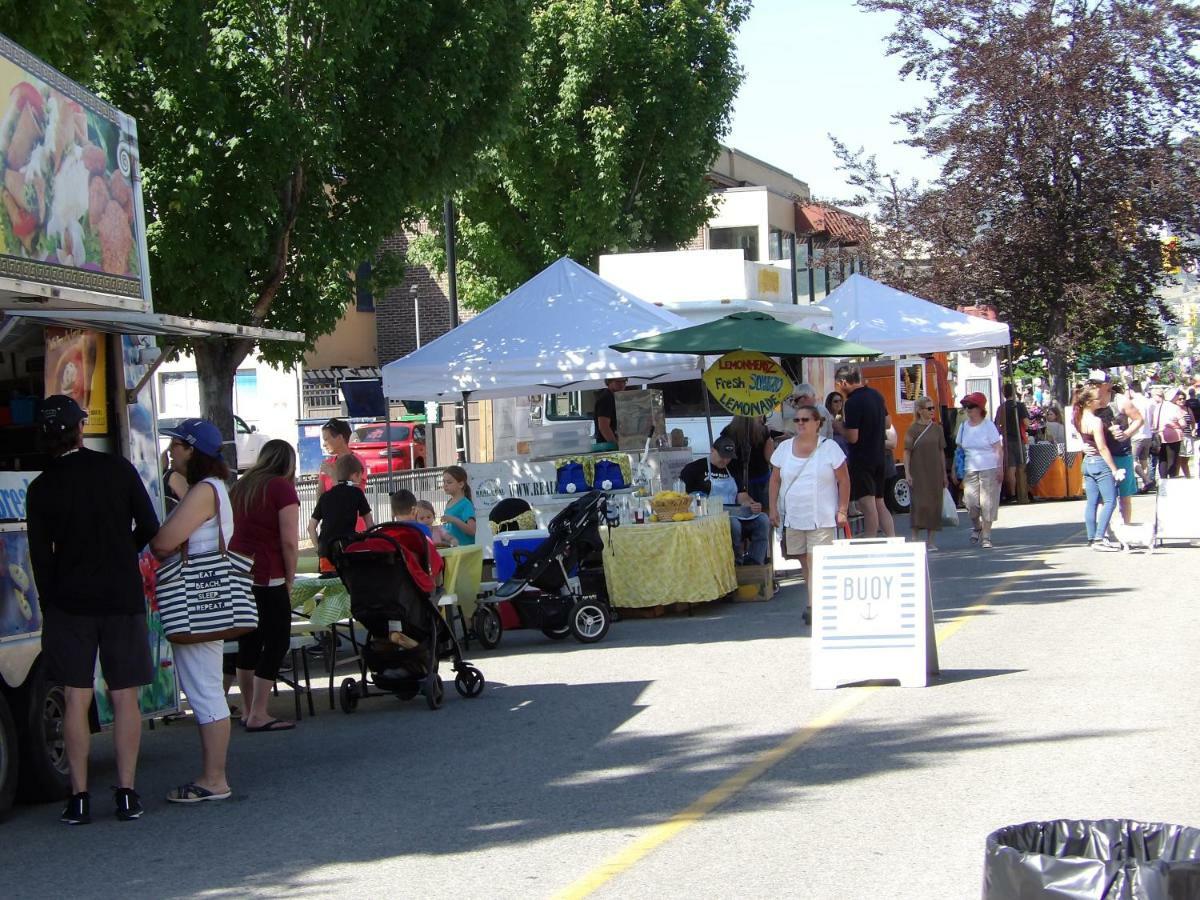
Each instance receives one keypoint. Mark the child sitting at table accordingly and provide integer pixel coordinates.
(339, 508)
(427, 515)
(404, 509)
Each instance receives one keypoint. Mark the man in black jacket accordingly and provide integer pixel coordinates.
(89, 517)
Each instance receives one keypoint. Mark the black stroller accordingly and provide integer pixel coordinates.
(559, 587)
(391, 572)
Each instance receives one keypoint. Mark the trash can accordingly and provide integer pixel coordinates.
(1106, 859)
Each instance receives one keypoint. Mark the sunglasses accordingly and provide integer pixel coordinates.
(804, 419)
(927, 408)
(969, 406)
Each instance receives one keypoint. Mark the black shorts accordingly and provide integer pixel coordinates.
(867, 480)
(71, 642)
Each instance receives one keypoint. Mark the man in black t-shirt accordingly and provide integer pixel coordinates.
(866, 422)
(712, 476)
(604, 413)
(89, 518)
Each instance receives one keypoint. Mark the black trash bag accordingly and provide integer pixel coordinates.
(1108, 859)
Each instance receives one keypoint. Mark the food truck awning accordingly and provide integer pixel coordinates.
(116, 322)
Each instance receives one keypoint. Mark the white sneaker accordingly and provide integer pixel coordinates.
(1104, 545)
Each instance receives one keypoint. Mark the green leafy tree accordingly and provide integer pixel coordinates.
(281, 142)
(621, 107)
(1063, 131)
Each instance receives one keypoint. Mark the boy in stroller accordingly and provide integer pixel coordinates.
(391, 573)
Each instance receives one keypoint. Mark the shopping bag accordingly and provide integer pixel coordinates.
(949, 510)
(207, 596)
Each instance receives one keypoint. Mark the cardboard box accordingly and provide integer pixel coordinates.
(755, 583)
(637, 413)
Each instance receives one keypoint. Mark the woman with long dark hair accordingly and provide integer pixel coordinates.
(1100, 472)
(266, 517)
(201, 519)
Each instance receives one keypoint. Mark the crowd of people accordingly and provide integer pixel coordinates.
(90, 519)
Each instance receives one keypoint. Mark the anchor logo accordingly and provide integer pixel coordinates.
(868, 611)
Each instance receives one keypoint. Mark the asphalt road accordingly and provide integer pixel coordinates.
(1068, 691)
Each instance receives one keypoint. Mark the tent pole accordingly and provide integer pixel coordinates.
(707, 408)
(466, 417)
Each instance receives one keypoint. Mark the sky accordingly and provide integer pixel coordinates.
(815, 67)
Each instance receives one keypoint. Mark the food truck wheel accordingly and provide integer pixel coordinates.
(44, 766)
(589, 621)
(897, 494)
(487, 625)
(348, 696)
(8, 757)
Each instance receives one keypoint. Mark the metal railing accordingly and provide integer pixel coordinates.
(426, 484)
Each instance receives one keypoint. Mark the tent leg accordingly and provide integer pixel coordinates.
(707, 408)
(466, 417)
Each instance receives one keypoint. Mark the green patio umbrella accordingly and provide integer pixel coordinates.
(1123, 353)
(747, 331)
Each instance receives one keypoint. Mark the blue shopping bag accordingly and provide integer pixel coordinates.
(608, 476)
(571, 479)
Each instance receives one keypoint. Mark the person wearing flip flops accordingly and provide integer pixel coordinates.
(199, 521)
(984, 449)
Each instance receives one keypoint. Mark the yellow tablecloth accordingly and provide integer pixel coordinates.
(464, 571)
(669, 562)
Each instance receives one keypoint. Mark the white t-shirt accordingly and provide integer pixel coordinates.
(807, 487)
(204, 538)
(1144, 405)
(979, 443)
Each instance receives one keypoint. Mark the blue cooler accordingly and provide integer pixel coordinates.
(506, 542)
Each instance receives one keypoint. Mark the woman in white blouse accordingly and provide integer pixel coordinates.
(984, 450)
(809, 491)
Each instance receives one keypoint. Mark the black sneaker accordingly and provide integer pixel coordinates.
(129, 804)
(78, 810)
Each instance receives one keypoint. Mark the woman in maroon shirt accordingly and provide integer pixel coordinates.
(266, 516)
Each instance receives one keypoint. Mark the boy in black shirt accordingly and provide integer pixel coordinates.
(339, 508)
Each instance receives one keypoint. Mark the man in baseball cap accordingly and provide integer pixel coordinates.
(89, 517)
(712, 476)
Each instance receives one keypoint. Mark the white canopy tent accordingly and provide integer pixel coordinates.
(550, 334)
(899, 324)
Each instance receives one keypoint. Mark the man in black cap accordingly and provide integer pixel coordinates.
(713, 477)
(89, 517)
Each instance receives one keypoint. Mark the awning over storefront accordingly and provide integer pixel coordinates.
(161, 324)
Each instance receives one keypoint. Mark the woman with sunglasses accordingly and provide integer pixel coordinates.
(925, 472)
(810, 488)
(984, 450)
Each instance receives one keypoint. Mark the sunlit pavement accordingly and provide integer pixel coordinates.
(1069, 692)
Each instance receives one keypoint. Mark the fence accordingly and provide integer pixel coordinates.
(426, 484)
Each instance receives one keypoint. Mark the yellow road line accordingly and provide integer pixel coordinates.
(681, 821)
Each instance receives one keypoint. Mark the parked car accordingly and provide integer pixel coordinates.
(407, 448)
(247, 438)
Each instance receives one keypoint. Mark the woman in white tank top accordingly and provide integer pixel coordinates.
(195, 522)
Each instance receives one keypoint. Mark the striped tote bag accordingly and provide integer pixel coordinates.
(207, 596)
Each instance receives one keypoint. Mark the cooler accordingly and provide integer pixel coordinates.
(505, 543)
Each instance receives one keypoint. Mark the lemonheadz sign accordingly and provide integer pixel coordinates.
(747, 383)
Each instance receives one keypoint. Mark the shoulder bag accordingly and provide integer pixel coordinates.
(1156, 441)
(207, 596)
(960, 456)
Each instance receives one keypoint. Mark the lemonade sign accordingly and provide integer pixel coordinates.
(747, 383)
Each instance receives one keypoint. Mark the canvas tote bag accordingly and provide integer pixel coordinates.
(207, 596)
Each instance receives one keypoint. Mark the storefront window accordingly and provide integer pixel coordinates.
(742, 238)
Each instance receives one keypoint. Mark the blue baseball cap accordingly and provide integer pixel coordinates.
(199, 434)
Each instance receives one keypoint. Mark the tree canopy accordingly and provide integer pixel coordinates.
(282, 142)
(621, 107)
(1065, 130)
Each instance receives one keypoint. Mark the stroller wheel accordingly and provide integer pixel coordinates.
(557, 634)
(589, 621)
(487, 625)
(469, 682)
(433, 691)
(348, 695)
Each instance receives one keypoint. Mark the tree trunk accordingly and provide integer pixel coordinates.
(216, 367)
(1060, 382)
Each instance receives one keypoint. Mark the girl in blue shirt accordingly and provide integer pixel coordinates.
(459, 517)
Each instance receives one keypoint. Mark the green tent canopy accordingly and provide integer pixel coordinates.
(1123, 353)
(747, 331)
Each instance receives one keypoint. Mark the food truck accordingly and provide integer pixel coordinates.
(76, 318)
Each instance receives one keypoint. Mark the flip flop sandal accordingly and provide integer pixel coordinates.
(271, 725)
(193, 793)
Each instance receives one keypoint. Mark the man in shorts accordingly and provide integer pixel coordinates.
(89, 518)
(867, 423)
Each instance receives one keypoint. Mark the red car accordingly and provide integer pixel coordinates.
(407, 449)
